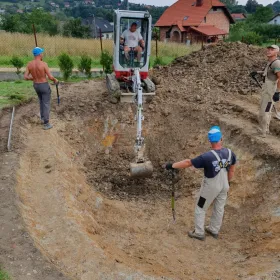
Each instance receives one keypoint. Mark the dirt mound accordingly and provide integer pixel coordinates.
(225, 67)
(76, 176)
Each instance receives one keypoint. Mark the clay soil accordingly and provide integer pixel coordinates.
(69, 209)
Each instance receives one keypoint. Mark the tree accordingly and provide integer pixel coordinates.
(251, 6)
(22, 23)
(239, 9)
(262, 15)
(230, 4)
(74, 28)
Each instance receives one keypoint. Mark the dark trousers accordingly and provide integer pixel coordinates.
(43, 91)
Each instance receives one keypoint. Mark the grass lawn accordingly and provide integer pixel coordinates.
(53, 61)
(12, 93)
(4, 275)
(5, 61)
(16, 92)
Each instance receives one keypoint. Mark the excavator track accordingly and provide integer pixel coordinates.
(149, 86)
(113, 87)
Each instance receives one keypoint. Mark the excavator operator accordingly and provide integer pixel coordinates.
(132, 40)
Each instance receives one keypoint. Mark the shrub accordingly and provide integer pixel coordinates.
(17, 63)
(158, 61)
(85, 65)
(252, 38)
(66, 65)
(106, 61)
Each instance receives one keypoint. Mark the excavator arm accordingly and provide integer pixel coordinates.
(140, 168)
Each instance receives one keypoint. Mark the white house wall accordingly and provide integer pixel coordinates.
(276, 20)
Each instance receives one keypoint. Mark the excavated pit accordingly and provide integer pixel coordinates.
(94, 222)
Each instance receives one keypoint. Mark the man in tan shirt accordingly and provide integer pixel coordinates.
(38, 72)
(270, 88)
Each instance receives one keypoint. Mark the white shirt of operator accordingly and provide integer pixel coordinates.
(132, 38)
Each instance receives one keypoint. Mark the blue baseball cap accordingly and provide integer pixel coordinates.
(36, 51)
(214, 134)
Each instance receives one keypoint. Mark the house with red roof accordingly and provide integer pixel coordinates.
(192, 21)
(238, 17)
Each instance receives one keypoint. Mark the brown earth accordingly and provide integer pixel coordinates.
(92, 221)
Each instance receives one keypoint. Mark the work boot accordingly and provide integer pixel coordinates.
(47, 126)
(200, 237)
(215, 235)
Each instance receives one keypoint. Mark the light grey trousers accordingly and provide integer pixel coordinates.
(43, 91)
(268, 90)
(212, 190)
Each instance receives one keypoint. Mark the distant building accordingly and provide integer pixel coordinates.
(239, 17)
(96, 25)
(193, 21)
(275, 20)
(88, 2)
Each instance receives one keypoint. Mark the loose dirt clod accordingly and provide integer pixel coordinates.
(95, 222)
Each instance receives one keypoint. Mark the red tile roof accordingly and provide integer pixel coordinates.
(188, 13)
(209, 30)
(238, 16)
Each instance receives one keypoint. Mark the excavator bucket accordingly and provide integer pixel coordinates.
(141, 170)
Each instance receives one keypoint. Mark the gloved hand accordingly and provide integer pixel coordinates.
(254, 73)
(168, 166)
(276, 96)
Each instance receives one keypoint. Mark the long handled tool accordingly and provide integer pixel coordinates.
(173, 195)
(57, 93)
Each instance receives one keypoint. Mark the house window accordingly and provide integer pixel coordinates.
(275, 21)
(167, 35)
(186, 17)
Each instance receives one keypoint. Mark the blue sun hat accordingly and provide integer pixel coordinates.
(37, 51)
(214, 134)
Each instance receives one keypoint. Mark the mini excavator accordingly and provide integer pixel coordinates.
(130, 82)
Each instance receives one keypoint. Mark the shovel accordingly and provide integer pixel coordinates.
(57, 93)
(173, 195)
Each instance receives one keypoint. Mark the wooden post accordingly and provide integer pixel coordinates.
(101, 45)
(156, 44)
(100, 36)
(35, 37)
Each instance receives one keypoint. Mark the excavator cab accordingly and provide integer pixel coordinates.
(135, 54)
(131, 50)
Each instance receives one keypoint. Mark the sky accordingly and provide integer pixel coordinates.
(170, 2)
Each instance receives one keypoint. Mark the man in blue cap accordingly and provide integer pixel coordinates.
(38, 72)
(219, 167)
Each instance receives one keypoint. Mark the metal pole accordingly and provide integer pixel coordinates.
(35, 36)
(10, 130)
